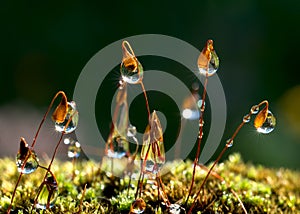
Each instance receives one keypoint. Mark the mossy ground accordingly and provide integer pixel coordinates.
(262, 190)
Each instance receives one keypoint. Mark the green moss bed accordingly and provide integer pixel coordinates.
(262, 190)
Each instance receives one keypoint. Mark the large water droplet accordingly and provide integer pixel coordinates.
(48, 193)
(132, 73)
(116, 149)
(138, 206)
(26, 153)
(208, 61)
(71, 112)
(131, 69)
(269, 124)
(153, 151)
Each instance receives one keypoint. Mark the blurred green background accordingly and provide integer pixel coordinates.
(46, 45)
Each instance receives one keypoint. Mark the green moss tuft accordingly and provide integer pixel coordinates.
(262, 190)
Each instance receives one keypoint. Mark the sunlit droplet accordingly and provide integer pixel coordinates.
(199, 103)
(48, 193)
(200, 135)
(153, 151)
(254, 109)
(268, 125)
(201, 123)
(25, 153)
(72, 115)
(246, 118)
(208, 61)
(138, 206)
(131, 69)
(229, 143)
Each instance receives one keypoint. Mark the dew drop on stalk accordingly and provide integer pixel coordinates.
(71, 113)
(254, 109)
(268, 125)
(208, 61)
(48, 193)
(138, 206)
(246, 118)
(117, 144)
(201, 123)
(229, 143)
(26, 153)
(199, 103)
(131, 69)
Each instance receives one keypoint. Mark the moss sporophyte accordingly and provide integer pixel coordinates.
(119, 185)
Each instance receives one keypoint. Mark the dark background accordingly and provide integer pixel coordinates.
(44, 47)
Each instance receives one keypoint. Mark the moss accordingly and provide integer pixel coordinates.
(262, 190)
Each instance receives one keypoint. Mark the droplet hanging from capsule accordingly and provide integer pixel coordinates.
(27, 155)
(131, 69)
(208, 60)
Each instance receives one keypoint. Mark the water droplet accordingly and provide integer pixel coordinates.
(246, 118)
(153, 151)
(116, 149)
(201, 123)
(208, 61)
(74, 148)
(138, 206)
(200, 135)
(131, 69)
(152, 167)
(175, 209)
(254, 109)
(199, 104)
(120, 118)
(268, 125)
(229, 143)
(48, 193)
(26, 153)
(71, 112)
(131, 131)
